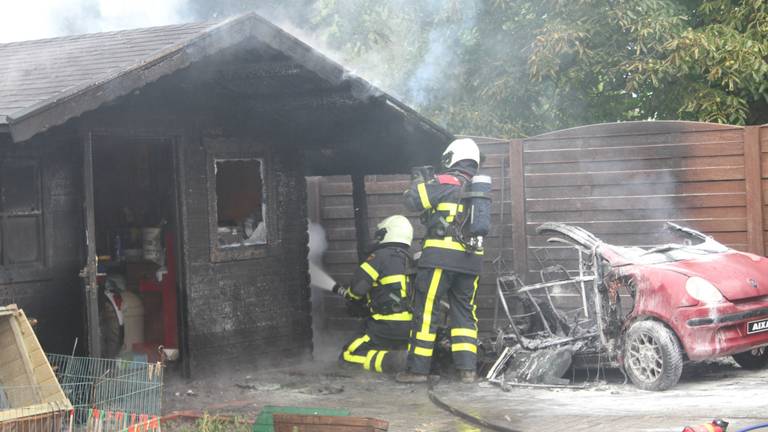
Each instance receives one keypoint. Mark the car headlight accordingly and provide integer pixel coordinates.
(702, 290)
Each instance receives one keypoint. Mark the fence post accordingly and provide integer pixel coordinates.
(754, 189)
(517, 197)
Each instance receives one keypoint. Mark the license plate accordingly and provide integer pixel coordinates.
(758, 326)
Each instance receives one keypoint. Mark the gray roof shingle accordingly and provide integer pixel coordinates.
(43, 83)
(32, 72)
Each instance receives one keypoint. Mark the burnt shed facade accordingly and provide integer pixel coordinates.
(209, 131)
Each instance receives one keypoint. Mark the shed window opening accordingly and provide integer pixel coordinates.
(20, 213)
(240, 202)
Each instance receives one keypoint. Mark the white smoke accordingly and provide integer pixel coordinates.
(36, 19)
(452, 25)
(317, 247)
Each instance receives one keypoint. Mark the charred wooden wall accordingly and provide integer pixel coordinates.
(246, 309)
(50, 291)
(385, 199)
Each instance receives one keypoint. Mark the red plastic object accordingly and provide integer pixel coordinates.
(167, 288)
(716, 425)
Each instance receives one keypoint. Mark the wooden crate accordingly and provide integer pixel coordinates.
(29, 387)
(318, 423)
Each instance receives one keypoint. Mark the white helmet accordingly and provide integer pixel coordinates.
(461, 149)
(394, 229)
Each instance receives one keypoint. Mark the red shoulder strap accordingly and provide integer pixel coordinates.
(448, 179)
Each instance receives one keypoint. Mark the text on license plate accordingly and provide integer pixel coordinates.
(757, 326)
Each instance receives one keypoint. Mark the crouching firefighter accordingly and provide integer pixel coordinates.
(382, 283)
(455, 210)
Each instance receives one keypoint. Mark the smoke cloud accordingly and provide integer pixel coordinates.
(37, 19)
(444, 42)
(416, 66)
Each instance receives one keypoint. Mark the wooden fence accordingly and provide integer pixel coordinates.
(621, 181)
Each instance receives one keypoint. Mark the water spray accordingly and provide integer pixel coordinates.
(318, 244)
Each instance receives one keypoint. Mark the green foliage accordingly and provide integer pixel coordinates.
(527, 66)
(208, 423)
(521, 67)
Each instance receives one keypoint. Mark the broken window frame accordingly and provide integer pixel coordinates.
(36, 212)
(222, 150)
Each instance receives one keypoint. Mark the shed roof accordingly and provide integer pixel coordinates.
(44, 83)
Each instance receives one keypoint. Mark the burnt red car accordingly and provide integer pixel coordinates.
(691, 299)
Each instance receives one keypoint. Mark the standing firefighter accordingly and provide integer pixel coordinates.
(455, 209)
(383, 285)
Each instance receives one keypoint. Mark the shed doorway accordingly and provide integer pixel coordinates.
(135, 231)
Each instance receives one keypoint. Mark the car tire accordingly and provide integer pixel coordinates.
(653, 358)
(753, 359)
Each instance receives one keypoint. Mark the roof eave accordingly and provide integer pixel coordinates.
(54, 111)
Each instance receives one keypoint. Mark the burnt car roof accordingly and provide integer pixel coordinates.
(620, 255)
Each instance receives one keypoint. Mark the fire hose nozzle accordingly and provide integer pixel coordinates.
(340, 290)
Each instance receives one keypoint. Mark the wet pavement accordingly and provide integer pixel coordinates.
(707, 390)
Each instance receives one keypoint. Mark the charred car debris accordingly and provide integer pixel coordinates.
(642, 310)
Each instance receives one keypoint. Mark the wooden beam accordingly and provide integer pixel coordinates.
(90, 271)
(753, 181)
(360, 204)
(517, 197)
(306, 102)
(24, 356)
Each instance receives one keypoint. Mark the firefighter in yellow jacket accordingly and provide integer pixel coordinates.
(382, 284)
(449, 266)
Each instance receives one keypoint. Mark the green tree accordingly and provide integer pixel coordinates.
(521, 67)
(662, 59)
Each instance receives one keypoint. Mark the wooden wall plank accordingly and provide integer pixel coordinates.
(623, 181)
(517, 193)
(753, 180)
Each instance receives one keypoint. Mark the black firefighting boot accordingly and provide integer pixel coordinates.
(467, 376)
(408, 377)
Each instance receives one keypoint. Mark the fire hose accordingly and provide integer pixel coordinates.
(475, 420)
(755, 427)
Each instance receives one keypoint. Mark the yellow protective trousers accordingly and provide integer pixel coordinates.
(460, 290)
(380, 348)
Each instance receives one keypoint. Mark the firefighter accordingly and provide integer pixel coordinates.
(449, 266)
(382, 284)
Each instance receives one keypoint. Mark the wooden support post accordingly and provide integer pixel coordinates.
(753, 179)
(517, 197)
(90, 271)
(360, 204)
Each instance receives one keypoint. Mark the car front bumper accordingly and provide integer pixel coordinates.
(719, 330)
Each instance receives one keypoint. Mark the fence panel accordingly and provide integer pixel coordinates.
(622, 181)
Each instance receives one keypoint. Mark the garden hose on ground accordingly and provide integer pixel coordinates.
(755, 427)
(475, 420)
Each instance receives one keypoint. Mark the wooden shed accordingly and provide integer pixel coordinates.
(207, 130)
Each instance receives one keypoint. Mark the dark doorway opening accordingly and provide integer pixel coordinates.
(135, 214)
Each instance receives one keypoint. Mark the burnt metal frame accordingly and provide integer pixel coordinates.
(496, 372)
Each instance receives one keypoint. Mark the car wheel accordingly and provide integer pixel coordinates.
(653, 359)
(754, 359)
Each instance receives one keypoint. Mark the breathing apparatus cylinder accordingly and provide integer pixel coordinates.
(480, 213)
